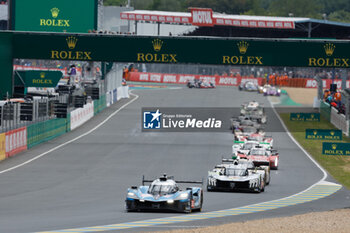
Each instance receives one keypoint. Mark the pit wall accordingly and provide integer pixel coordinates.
(338, 120)
(226, 80)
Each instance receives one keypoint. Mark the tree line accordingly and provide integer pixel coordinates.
(335, 10)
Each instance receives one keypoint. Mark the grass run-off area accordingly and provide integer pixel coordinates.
(337, 166)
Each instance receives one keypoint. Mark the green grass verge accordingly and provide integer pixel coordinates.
(337, 166)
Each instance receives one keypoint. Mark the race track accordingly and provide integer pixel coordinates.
(84, 183)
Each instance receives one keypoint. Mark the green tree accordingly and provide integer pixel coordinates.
(115, 2)
(166, 5)
(256, 8)
(222, 6)
(299, 8)
(340, 16)
(336, 5)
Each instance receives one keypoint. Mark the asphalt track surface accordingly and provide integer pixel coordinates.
(84, 183)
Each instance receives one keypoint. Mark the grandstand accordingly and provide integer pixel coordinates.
(223, 25)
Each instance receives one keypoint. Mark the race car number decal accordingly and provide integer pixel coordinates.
(211, 181)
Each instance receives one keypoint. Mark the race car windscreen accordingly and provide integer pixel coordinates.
(235, 172)
(249, 146)
(248, 130)
(258, 152)
(162, 189)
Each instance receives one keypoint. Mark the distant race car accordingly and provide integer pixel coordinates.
(164, 194)
(244, 121)
(236, 175)
(246, 131)
(248, 86)
(197, 83)
(262, 156)
(244, 147)
(271, 90)
(250, 107)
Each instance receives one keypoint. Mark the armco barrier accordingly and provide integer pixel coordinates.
(99, 104)
(81, 115)
(45, 131)
(339, 121)
(325, 110)
(2, 146)
(16, 141)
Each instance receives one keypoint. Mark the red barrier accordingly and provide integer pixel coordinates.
(16, 141)
(184, 78)
(228, 80)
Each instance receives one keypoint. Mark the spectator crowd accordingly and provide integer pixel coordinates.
(334, 99)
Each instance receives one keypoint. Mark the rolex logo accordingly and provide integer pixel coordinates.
(55, 11)
(242, 47)
(315, 132)
(298, 115)
(42, 75)
(157, 45)
(334, 146)
(329, 49)
(312, 115)
(332, 133)
(71, 42)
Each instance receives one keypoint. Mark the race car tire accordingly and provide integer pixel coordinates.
(276, 164)
(263, 187)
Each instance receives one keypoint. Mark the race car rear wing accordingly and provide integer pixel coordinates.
(165, 177)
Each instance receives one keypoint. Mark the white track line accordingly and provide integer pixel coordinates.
(72, 140)
(297, 143)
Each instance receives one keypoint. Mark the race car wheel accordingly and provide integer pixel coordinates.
(275, 164)
(262, 186)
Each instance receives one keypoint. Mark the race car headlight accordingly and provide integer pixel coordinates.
(242, 111)
(131, 195)
(279, 90)
(264, 90)
(170, 201)
(183, 196)
(260, 112)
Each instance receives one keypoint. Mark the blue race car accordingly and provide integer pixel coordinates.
(164, 194)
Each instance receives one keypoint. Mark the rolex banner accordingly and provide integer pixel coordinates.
(323, 134)
(54, 16)
(38, 78)
(330, 148)
(304, 117)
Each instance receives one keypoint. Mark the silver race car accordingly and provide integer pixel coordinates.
(236, 175)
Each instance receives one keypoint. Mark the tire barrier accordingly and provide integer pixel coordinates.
(81, 115)
(16, 141)
(2, 146)
(45, 131)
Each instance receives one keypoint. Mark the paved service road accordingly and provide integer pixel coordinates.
(84, 183)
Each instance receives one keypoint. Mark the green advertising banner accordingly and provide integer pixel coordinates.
(223, 51)
(323, 134)
(329, 148)
(304, 116)
(78, 16)
(35, 78)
